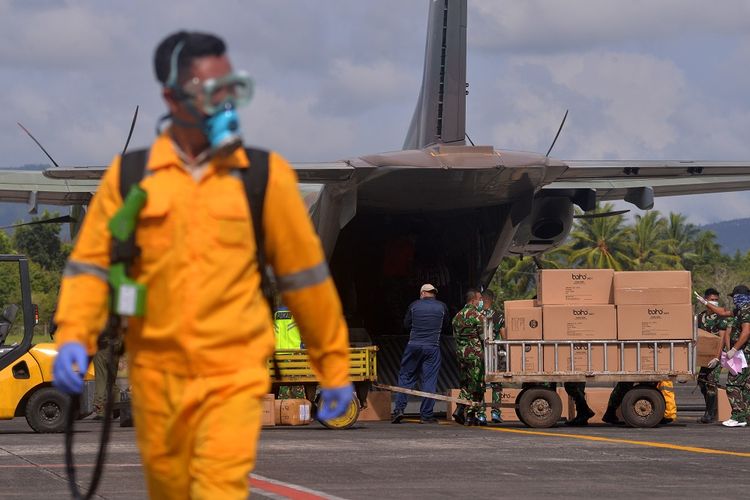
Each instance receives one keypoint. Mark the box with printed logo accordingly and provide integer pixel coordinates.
(579, 322)
(655, 322)
(574, 286)
(523, 320)
(581, 358)
(652, 287)
(532, 362)
(662, 362)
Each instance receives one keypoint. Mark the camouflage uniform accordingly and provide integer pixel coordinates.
(467, 330)
(708, 379)
(498, 319)
(100, 361)
(738, 386)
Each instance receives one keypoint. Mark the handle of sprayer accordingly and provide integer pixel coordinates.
(128, 296)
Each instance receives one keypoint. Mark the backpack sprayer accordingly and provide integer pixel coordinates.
(126, 298)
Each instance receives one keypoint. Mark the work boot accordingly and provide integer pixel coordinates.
(610, 417)
(459, 414)
(666, 420)
(496, 417)
(470, 420)
(396, 416)
(709, 417)
(481, 419)
(582, 417)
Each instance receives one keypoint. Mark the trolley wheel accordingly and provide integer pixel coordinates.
(517, 408)
(347, 419)
(642, 407)
(539, 407)
(47, 410)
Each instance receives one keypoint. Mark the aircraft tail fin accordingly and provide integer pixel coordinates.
(440, 115)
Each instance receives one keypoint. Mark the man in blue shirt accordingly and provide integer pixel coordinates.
(425, 319)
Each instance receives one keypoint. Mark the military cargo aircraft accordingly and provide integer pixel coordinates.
(439, 210)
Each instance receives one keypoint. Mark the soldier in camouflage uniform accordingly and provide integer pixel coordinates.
(498, 325)
(467, 330)
(738, 386)
(708, 377)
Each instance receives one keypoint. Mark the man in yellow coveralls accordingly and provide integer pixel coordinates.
(198, 356)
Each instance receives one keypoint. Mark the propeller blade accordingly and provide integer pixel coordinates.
(130, 134)
(52, 220)
(558, 133)
(38, 144)
(601, 214)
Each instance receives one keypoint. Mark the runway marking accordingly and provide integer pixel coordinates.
(652, 444)
(274, 488)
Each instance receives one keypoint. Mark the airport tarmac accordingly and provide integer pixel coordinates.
(412, 460)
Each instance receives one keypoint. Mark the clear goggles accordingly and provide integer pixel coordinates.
(214, 94)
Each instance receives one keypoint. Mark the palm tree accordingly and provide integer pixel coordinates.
(649, 245)
(599, 242)
(682, 236)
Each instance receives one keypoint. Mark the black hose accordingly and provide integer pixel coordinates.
(113, 329)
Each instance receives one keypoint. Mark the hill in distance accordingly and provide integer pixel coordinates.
(732, 235)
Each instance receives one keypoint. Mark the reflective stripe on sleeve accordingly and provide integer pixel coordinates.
(303, 279)
(76, 268)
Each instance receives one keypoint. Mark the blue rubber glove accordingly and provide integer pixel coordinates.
(65, 377)
(334, 402)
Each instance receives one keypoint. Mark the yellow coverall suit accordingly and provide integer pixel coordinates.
(198, 357)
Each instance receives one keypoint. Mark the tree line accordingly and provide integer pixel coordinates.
(648, 242)
(47, 255)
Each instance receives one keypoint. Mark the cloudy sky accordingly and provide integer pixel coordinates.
(659, 79)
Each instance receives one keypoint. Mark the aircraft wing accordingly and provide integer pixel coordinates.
(33, 187)
(613, 179)
(76, 185)
(307, 172)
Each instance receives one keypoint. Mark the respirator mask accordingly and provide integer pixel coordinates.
(213, 103)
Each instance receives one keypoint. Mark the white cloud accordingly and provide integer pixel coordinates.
(552, 26)
(352, 88)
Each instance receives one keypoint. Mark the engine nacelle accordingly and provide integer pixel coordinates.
(545, 228)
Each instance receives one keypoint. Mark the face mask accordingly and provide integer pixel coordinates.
(480, 304)
(213, 103)
(714, 303)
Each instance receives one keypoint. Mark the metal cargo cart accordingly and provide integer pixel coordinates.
(292, 368)
(539, 405)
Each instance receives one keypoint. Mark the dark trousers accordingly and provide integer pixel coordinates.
(423, 363)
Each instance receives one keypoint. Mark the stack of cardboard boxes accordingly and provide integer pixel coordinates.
(600, 304)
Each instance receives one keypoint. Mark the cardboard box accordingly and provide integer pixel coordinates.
(295, 412)
(574, 286)
(725, 409)
(508, 401)
(580, 358)
(531, 355)
(647, 358)
(268, 418)
(597, 398)
(655, 322)
(707, 347)
(523, 320)
(579, 322)
(652, 287)
(277, 411)
(378, 407)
